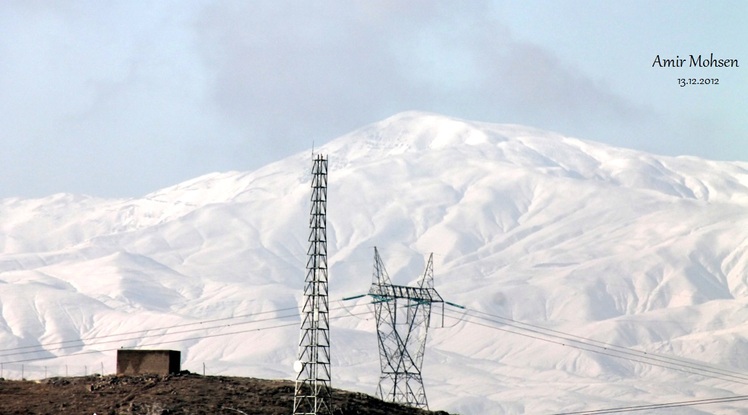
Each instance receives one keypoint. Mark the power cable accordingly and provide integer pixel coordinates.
(96, 343)
(623, 350)
(605, 345)
(674, 364)
(75, 343)
(154, 343)
(45, 345)
(678, 404)
(520, 328)
(169, 334)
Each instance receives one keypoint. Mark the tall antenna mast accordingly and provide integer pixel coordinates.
(313, 393)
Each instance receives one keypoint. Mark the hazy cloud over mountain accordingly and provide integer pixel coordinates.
(125, 97)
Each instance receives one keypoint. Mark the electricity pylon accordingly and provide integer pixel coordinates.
(403, 314)
(313, 392)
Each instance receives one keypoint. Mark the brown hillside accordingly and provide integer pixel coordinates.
(186, 394)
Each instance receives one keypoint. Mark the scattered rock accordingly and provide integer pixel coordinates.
(183, 393)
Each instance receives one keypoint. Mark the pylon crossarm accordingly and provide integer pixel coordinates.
(403, 291)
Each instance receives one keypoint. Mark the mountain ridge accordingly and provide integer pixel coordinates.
(629, 248)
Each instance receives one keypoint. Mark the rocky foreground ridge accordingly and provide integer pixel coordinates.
(187, 394)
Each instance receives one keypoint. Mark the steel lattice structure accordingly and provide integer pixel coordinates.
(313, 392)
(402, 314)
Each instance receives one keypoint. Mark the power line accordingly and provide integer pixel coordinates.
(677, 404)
(621, 349)
(155, 343)
(488, 320)
(538, 333)
(140, 334)
(96, 343)
(616, 354)
(82, 340)
(207, 336)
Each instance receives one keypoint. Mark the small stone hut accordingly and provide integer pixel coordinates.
(148, 362)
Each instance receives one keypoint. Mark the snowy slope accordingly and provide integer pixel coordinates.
(627, 248)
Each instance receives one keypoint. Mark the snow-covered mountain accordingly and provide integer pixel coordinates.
(537, 230)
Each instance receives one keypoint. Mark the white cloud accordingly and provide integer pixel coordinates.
(125, 97)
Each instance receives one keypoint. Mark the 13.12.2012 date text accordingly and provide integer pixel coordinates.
(682, 82)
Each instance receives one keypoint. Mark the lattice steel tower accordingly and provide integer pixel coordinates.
(313, 393)
(403, 315)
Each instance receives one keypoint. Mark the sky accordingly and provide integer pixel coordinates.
(124, 97)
